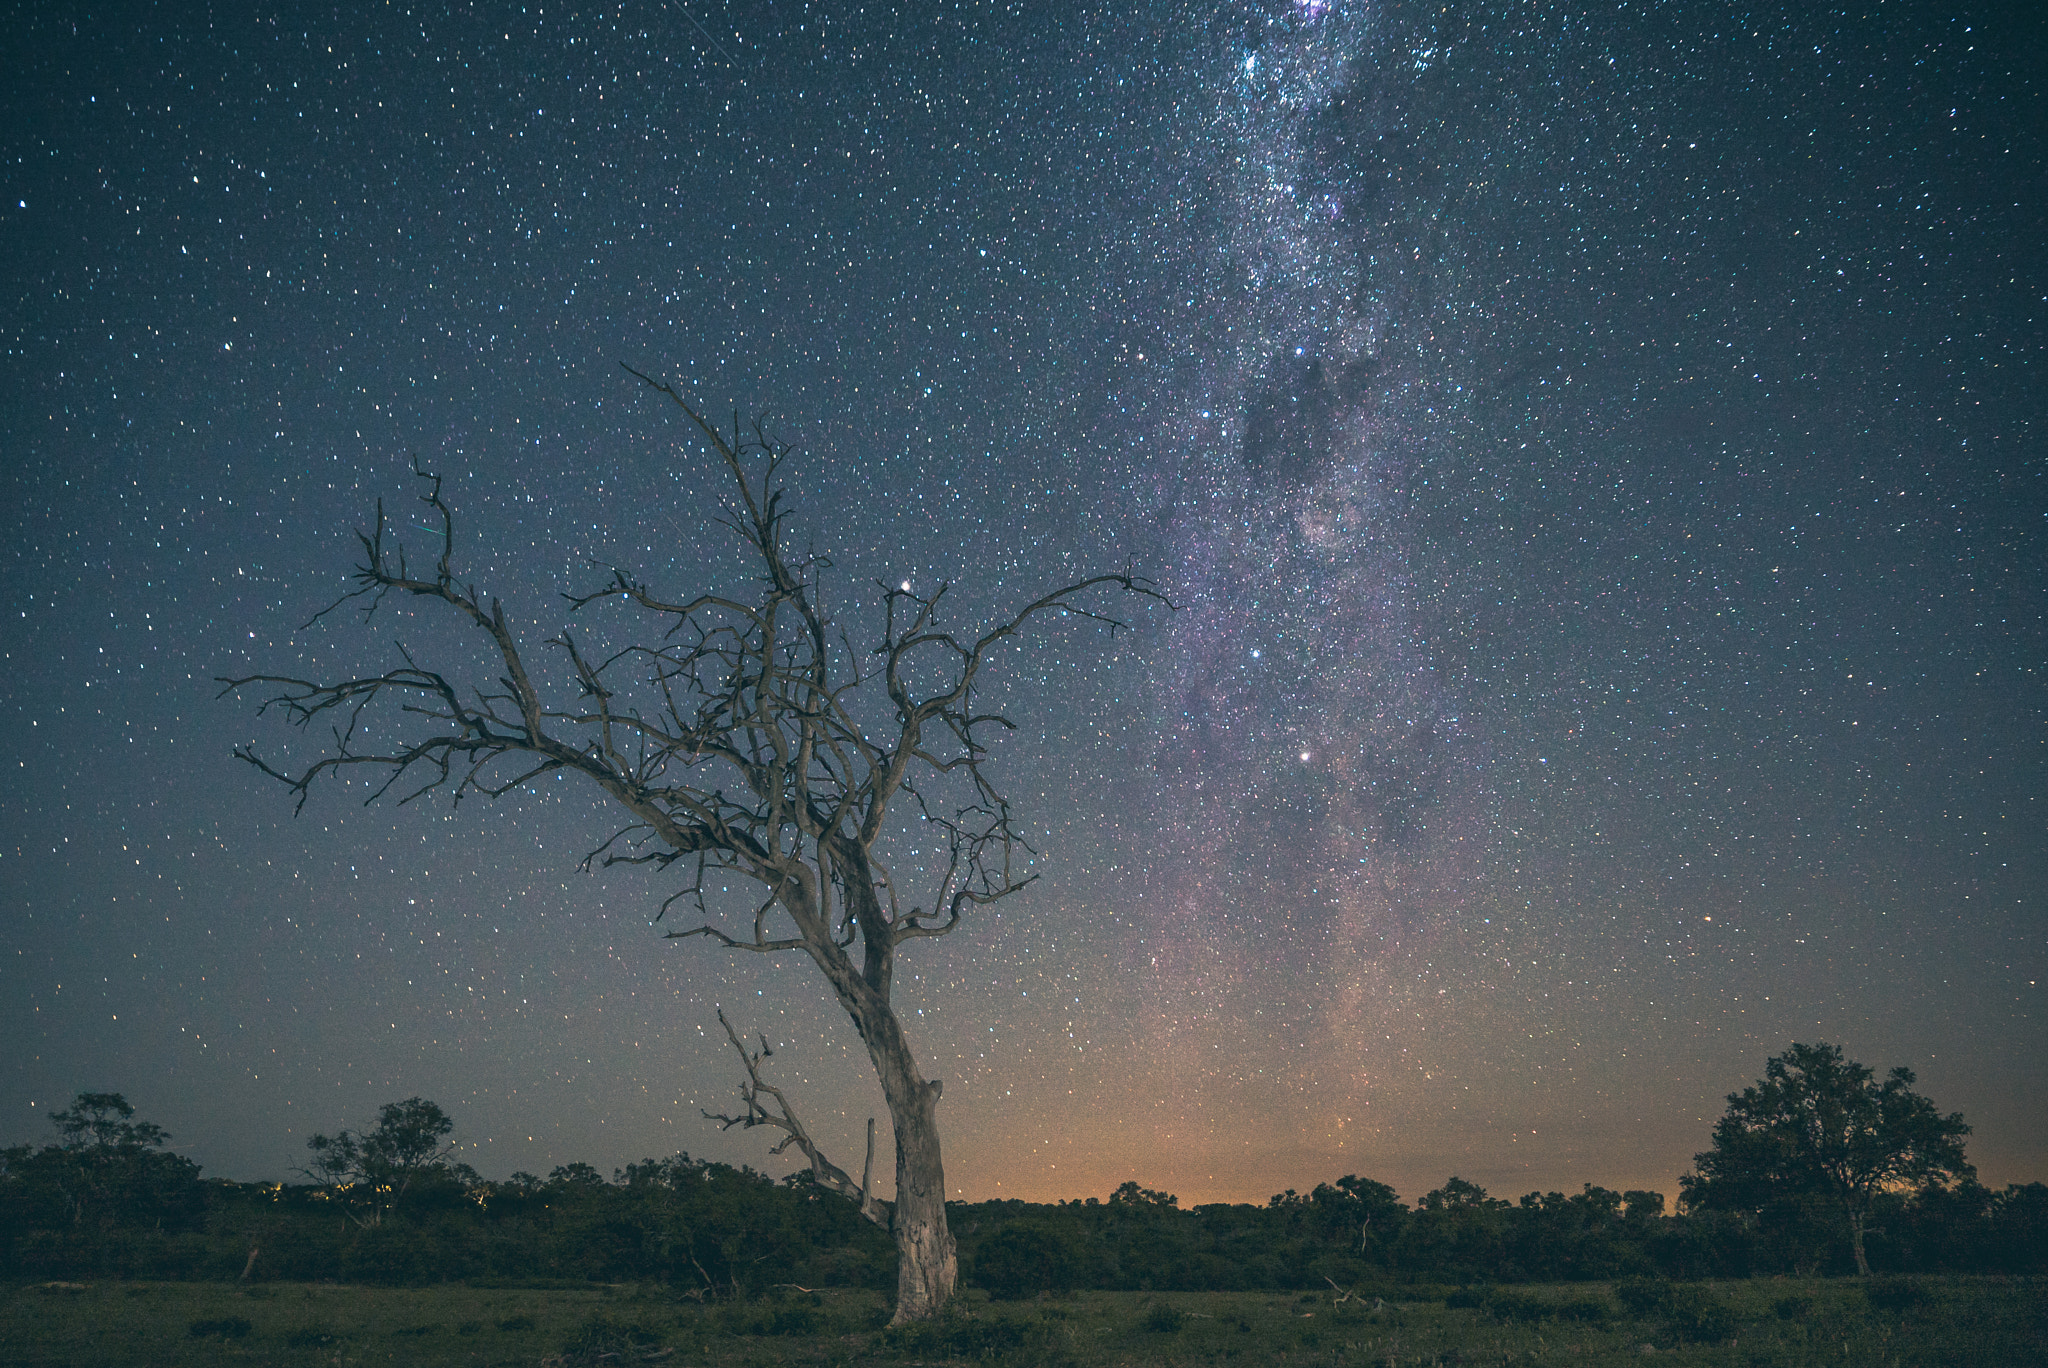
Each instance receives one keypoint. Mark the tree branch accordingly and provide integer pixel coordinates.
(784, 1119)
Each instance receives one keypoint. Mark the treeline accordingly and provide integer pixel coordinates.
(392, 1206)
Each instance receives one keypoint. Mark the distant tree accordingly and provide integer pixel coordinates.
(1371, 1209)
(103, 1123)
(1640, 1205)
(1818, 1128)
(577, 1175)
(377, 1168)
(108, 1170)
(1132, 1195)
(750, 737)
(1455, 1229)
(1458, 1195)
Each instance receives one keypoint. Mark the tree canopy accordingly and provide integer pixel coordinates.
(1818, 1127)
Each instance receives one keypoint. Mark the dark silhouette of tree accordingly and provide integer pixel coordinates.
(1458, 1195)
(108, 1172)
(103, 1123)
(750, 733)
(1132, 1195)
(376, 1169)
(1818, 1128)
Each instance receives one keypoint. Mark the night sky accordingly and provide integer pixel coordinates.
(1596, 452)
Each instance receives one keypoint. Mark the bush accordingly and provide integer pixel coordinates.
(1692, 1315)
(1164, 1320)
(227, 1327)
(1644, 1297)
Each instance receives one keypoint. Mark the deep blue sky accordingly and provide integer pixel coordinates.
(1597, 453)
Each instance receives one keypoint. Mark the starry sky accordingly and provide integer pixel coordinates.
(1596, 453)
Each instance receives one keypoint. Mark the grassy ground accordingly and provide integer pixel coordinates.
(1964, 1322)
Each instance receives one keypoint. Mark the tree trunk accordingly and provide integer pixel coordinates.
(927, 1260)
(1856, 1243)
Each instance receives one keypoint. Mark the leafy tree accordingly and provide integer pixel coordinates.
(103, 1123)
(377, 1168)
(1819, 1128)
(109, 1171)
(1458, 1195)
(1455, 1229)
(1132, 1195)
(746, 739)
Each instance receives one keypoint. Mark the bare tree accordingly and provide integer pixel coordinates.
(744, 734)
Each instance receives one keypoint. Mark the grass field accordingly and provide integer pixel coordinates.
(1964, 1322)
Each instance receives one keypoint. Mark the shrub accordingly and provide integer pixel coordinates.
(227, 1327)
(1692, 1315)
(1644, 1297)
(1163, 1319)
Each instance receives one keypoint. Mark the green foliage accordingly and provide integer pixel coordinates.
(108, 1176)
(1686, 1312)
(1164, 1319)
(404, 1156)
(1022, 1261)
(109, 1202)
(1692, 1315)
(1818, 1130)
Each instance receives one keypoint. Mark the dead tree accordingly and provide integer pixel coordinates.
(742, 734)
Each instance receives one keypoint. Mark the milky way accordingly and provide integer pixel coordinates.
(1326, 802)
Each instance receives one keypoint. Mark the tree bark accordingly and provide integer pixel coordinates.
(927, 1260)
(1856, 1243)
